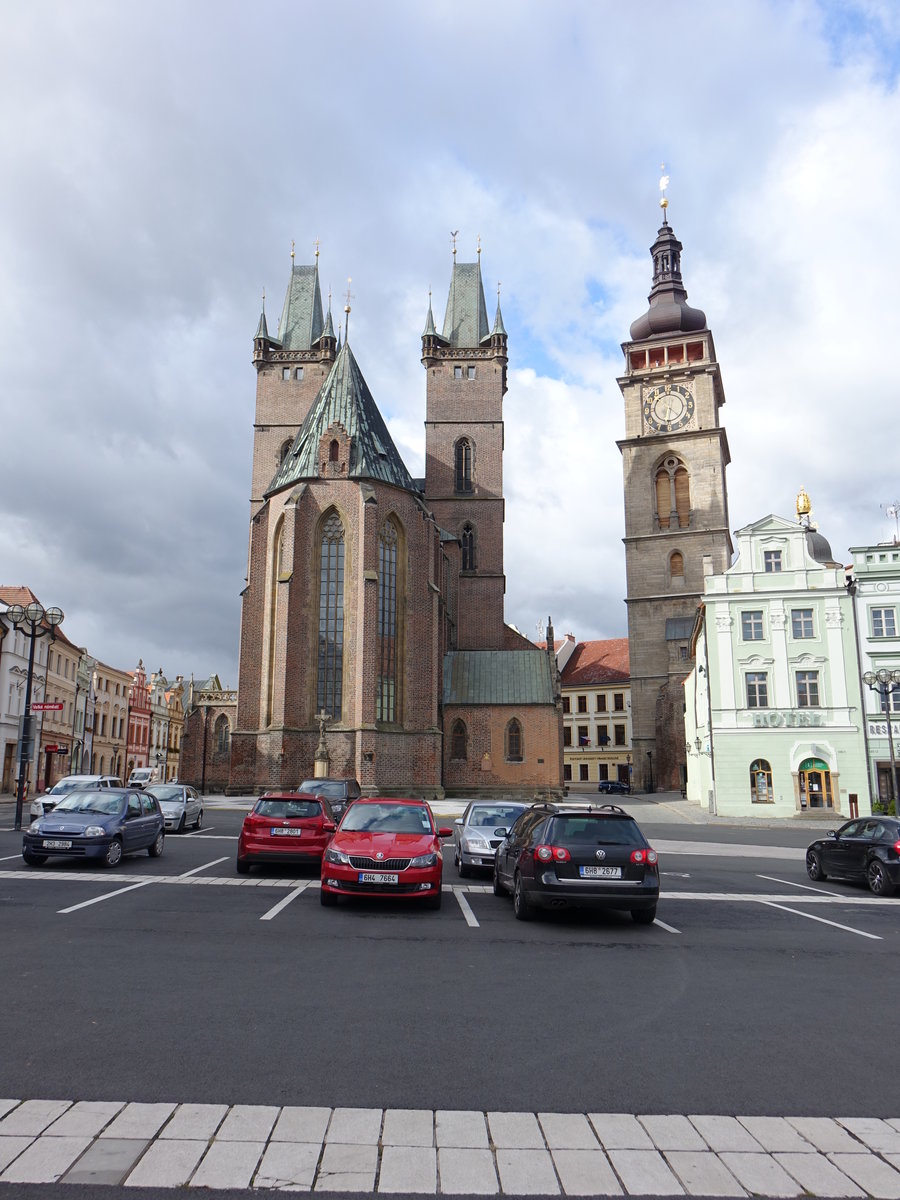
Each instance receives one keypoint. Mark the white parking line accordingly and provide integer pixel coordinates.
(196, 870)
(471, 919)
(10, 857)
(811, 917)
(668, 928)
(804, 886)
(200, 832)
(213, 837)
(273, 912)
(108, 896)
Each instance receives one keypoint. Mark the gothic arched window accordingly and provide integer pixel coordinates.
(468, 548)
(459, 741)
(386, 687)
(223, 734)
(463, 464)
(676, 565)
(514, 741)
(330, 665)
(761, 782)
(672, 490)
(334, 450)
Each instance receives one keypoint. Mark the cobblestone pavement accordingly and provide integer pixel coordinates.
(445, 1152)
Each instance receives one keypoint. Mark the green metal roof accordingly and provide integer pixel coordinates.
(301, 318)
(465, 322)
(497, 677)
(345, 400)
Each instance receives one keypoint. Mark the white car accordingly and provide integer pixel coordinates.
(181, 805)
(480, 830)
(47, 801)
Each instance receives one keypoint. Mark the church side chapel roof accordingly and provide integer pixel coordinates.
(301, 323)
(465, 321)
(344, 399)
(497, 677)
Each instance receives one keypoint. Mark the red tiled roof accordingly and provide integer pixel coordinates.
(17, 595)
(597, 662)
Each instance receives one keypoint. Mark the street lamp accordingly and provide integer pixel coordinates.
(33, 615)
(886, 683)
(650, 761)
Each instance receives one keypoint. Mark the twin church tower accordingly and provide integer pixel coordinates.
(373, 636)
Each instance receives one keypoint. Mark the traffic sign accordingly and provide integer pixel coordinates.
(47, 707)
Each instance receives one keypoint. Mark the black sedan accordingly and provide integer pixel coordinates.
(614, 787)
(101, 825)
(867, 850)
(561, 856)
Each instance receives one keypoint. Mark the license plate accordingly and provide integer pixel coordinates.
(601, 872)
(57, 845)
(286, 831)
(374, 877)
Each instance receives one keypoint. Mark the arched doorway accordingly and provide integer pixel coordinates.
(815, 784)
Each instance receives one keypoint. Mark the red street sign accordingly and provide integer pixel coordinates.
(47, 707)
(51, 749)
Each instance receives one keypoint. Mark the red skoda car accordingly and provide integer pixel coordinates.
(385, 848)
(284, 827)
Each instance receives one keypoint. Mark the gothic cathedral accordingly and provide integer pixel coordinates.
(372, 618)
(674, 456)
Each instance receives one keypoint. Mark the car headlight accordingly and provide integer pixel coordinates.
(336, 856)
(424, 860)
(95, 831)
(35, 827)
(473, 842)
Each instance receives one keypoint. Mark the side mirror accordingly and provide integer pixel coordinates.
(832, 833)
(444, 832)
(329, 826)
(501, 832)
(458, 821)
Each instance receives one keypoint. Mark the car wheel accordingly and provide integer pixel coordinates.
(643, 916)
(814, 867)
(521, 905)
(327, 899)
(156, 849)
(877, 878)
(499, 889)
(464, 871)
(113, 855)
(180, 828)
(34, 860)
(242, 866)
(198, 824)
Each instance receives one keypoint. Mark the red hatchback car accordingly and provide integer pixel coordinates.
(385, 848)
(284, 827)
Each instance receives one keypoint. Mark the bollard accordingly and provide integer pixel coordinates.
(854, 805)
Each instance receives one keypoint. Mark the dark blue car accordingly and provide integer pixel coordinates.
(97, 824)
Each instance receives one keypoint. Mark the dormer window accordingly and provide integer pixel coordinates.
(771, 561)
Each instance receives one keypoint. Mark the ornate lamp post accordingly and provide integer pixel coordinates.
(32, 615)
(886, 683)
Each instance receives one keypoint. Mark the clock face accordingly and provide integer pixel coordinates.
(668, 407)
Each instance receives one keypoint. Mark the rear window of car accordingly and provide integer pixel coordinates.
(490, 818)
(289, 808)
(608, 831)
(332, 788)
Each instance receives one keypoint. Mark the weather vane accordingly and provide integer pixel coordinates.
(292, 251)
(478, 247)
(663, 185)
(453, 235)
(317, 249)
(347, 309)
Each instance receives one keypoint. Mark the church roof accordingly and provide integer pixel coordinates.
(465, 321)
(301, 318)
(344, 399)
(669, 311)
(497, 677)
(598, 662)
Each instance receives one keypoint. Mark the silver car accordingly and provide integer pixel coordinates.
(480, 830)
(181, 805)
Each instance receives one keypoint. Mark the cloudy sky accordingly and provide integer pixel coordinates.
(157, 159)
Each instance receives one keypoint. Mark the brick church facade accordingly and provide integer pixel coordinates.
(372, 625)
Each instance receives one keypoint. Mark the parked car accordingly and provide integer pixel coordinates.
(142, 777)
(181, 805)
(99, 823)
(480, 830)
(614, 787)
(339, 792)
(385, 848)
(285, 827)
(560, 856)
(47, 801)
(867, 850)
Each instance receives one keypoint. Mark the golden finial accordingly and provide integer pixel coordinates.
(804, 507)
(453, 236)
(317, 249)
(292, 251)
(478, 248)
(347, 309)
(663, 184)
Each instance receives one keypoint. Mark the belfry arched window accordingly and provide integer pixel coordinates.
(463, 465)
(459, 741)
(514, 741)
(386, 687)
(468, 548)
(330, 666)
(223, 734)
(676, 565)
(672, 491)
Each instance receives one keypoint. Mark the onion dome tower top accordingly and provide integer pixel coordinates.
(669, 311)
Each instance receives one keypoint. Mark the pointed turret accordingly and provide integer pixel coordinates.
(465, 321)
(669, 311)
(301, 322)
(327, 342)
(431, 339)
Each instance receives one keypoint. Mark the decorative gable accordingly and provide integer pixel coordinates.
(335, 446)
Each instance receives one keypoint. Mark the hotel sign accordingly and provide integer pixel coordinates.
(777, 720)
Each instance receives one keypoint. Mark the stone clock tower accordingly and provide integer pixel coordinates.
(674, 456)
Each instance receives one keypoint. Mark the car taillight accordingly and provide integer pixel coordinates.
(551, 854)
(897, 848)
(644, 856)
